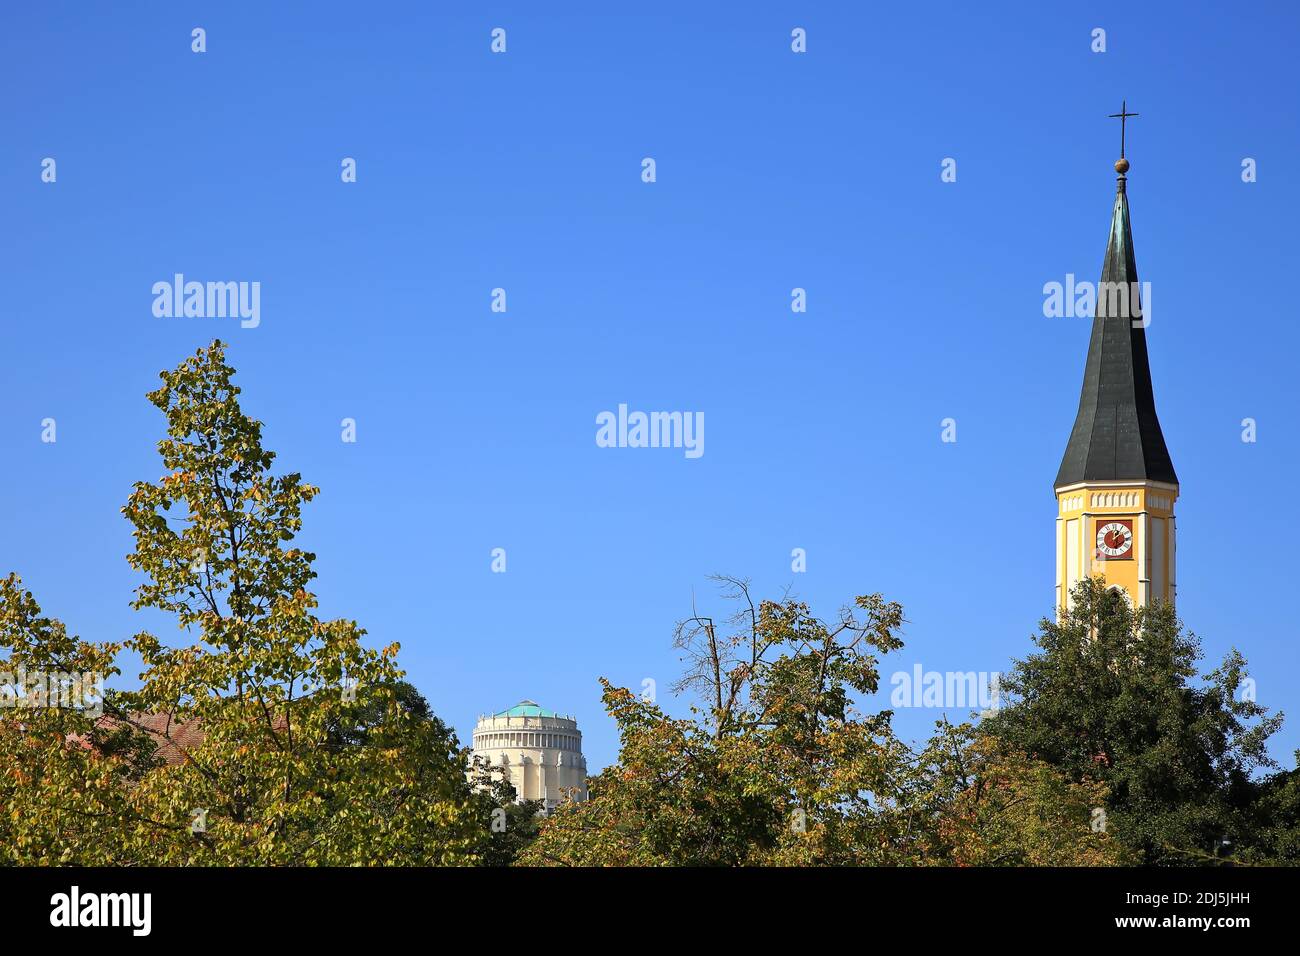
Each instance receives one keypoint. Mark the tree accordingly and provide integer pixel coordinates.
(306, 750)
(61, 803)
(514, 823)
(1113, 698)
(778, 766)
(509, 824)
(1272, 824)
(989, 805)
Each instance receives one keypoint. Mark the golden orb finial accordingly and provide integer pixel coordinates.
(1121, 165)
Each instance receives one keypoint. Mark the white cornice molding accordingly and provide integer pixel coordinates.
(1137, 483)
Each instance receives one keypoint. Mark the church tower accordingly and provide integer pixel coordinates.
(1116, 488)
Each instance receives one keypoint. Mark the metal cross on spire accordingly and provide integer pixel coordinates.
(1122, 116)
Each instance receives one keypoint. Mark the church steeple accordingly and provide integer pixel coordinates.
(1116, 433)
(1116, 486)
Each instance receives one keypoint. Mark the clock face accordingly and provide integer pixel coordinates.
(1115, 539)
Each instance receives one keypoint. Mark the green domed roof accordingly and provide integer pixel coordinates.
(526, 708)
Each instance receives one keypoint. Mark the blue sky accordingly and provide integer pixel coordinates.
(475, 430)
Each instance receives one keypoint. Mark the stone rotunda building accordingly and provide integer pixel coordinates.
(539, 750)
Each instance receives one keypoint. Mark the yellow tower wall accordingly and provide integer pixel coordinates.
(1147, 573)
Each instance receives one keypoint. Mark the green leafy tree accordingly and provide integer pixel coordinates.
(778, 766)
(306, 752)
(508, 824)
(64, 779)
(1271, 831)
(1114, 697)
(985, 804)
(513, 824)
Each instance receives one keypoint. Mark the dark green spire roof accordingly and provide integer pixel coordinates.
(1116, 434)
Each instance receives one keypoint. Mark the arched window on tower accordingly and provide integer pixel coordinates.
(1115, 592)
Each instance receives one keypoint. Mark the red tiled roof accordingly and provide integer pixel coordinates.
(173, 738)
